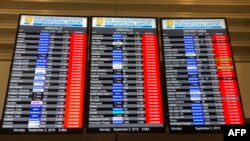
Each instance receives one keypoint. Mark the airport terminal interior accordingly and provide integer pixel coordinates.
(236, 13)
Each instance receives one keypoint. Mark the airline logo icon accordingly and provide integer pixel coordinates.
(169, 24)
(28, 20)
(100, 22)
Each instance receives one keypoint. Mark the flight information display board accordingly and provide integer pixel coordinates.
(46, 84)
(201, 82)
(125, 89)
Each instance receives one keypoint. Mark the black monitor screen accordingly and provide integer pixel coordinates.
(125, 89)
(201, 83)
(46, 84)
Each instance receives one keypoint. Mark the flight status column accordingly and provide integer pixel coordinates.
(46, 84)
(201, 82)
(125, 91)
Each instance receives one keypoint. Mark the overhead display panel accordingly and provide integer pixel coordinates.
(125, 88)
(46, 85)
(201, 83)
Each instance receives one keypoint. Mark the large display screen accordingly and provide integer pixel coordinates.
(125, 88)
(46, 84)
(201, 83)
